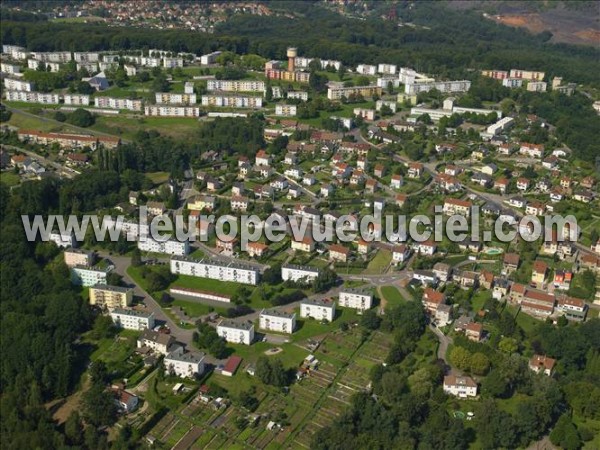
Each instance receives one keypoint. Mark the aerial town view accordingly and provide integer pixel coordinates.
(326, 224)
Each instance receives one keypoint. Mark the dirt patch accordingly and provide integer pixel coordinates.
(62, 409)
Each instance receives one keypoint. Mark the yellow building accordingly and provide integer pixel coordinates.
(110, 297)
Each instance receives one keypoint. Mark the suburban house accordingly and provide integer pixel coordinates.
(454, 206)
(542, 364)
(338, 253)
(511, 263)
(538, 275)
(306, 244)
(460, 386)
(432, 299)
(159, 342)
(400, 253)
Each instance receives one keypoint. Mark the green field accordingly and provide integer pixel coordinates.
(206, 284)
(392, 296)
(127, 126)
(381, 260)
(10, 178)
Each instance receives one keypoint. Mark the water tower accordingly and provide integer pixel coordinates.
(292, 52)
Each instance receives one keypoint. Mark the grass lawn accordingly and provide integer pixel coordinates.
(207, 284)
(381, 260)
(392, 296)
(194, 309)
(158, 177)
(127, 127)
(525, 321)
(479, 300)
(10, 178)
(21, 120)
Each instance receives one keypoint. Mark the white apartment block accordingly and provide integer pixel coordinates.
(34, 64)
(184, 364)
(15, 51)
(33, 97)
(442, 86)
(274, 320)
(62, 240)
(336, 93)
(57, 57)
(300, 95)
(512, 82)
(213, 269)
(88, 276)
(86, 56)
(118, 103)
(131, 319)
(210, 58)
(236, 85)
(130, 70)
(325, 63)
(281, 109)
(106, 66)
(319, 309)
(175, 98)
(232, 101)
(390, 104)
(291, 272)
(17, 85)
(236, 332)
(110, 297)
(502, 125)
(169, 247)
(389, 69)
(11, 69)
(76, 99)
(384, 82)
(91, 67)
(171, 111)
(78, 257)
(355, 299)
(537, 86)
(149, 62)
(409, 76)
(169, 63)
(365, 69)
(188, 88)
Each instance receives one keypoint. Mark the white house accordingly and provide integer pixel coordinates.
(461, 387)
(131, 319)
(274, 320)
(62, 240)
(236, 332)
(184, 364)
(356, 299)
(158, 342)
(319, 309)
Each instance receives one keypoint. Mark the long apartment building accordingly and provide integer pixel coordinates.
(68, 140)
(169, 247)
(442, 86)
(118, 103)
(15, 51)
(171, 111)
(209, 58)
(281, 109)
(11, 69)
(76, 99)
(531, 75)
(131, 319)
(172, 98)
(355, 299)
(110, 297)
(34, 64)
(12, 84)
(236, 85)
(336, 93)
(33, 97)
(213, 269)
(57, 57)
(232, 101)
(285, 75)
(86, 56)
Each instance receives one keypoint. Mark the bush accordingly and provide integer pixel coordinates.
(81, 118)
